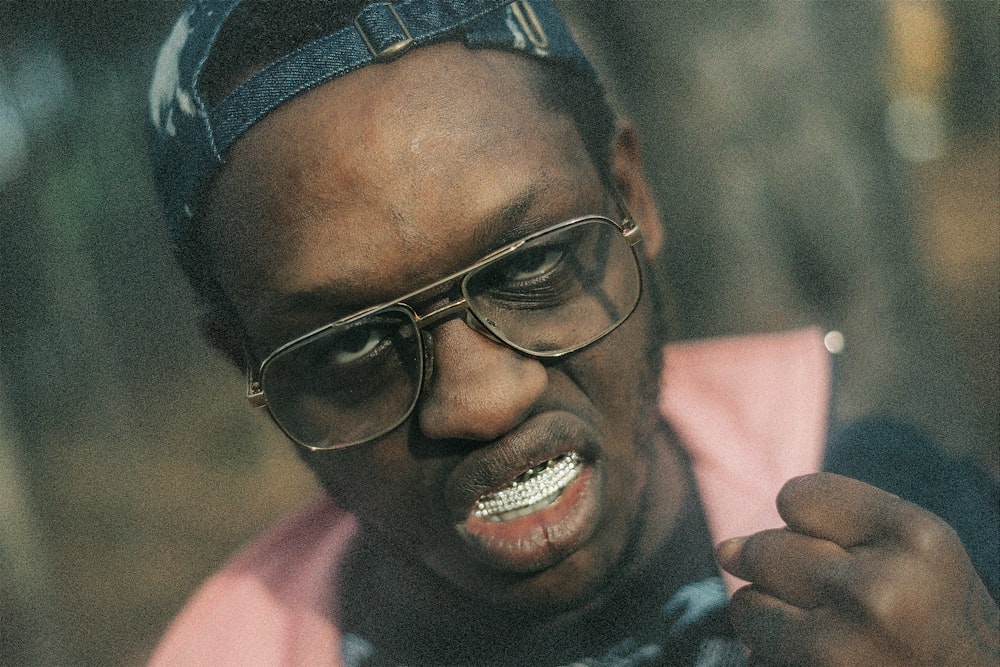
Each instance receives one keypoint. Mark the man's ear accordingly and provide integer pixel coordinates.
(630, 179)
(223, 337)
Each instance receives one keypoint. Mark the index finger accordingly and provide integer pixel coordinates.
(842, 510)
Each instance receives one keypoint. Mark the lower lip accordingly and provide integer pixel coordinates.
(539, 540)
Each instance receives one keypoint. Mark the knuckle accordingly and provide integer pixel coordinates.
(824, 643)
(822, 655)
(866, 592)
(931, 536)
(766, 632)
(814, 641)
(886, 593)
(879, 602)
(836, 578)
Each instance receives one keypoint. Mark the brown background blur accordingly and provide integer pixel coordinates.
(836, 163)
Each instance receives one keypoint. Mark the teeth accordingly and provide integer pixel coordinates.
(537, 486)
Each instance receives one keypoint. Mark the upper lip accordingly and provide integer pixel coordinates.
(491, 466)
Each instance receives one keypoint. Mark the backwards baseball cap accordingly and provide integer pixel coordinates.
(189, 139)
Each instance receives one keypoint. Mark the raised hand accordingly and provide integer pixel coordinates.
(858, 577)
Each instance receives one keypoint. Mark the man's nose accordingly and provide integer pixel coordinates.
(479, 389)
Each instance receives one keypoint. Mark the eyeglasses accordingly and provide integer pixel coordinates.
(551, 293)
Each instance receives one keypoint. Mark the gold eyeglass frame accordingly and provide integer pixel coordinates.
(627, 227)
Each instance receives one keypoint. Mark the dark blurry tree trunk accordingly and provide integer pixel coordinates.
(783, 202)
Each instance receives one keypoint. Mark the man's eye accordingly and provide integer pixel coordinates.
(351, 346)
(533, 263)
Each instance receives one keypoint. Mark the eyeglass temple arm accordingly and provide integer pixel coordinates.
(255, 393)
(630, 228)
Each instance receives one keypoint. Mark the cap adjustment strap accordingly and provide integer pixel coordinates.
(528, 20)
(383, 31)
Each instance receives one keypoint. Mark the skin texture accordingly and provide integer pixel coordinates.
(859, 577)
(378, 183)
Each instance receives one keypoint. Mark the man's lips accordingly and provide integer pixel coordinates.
(539, 540)
(493, 466)
(529, 499)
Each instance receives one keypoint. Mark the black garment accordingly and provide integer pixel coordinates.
(901, 459)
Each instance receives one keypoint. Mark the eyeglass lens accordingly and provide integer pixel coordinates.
(555, 294)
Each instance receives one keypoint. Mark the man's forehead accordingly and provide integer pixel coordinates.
(353, 288)
(440, 94)
(332, 270)
(356, 167)
(190, 139)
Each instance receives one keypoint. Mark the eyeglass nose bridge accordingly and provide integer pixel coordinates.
(450, 310)
(445, 312)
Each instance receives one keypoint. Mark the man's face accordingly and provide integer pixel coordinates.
(374, 185)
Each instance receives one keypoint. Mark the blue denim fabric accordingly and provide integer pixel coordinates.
(188, 141)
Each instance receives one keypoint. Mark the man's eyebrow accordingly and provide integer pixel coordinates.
(507, 223)
(318, 300)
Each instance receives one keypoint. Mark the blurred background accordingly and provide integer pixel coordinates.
(816, 162)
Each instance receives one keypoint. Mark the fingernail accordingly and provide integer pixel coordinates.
(728, 551)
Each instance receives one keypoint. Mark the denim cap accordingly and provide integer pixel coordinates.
(189, 140)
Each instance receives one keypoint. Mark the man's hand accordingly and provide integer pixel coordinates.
(859, 577)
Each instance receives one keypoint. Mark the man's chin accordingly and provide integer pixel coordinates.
(570, 586)
(545, 596)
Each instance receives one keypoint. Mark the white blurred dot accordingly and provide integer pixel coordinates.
(833, 341)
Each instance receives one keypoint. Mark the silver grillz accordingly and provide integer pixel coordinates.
(534, 486)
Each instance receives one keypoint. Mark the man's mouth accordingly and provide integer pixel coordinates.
(532, 498)
(530, 491)
(536, 520)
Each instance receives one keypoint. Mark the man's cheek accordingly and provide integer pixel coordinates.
(350, 477)
(617, 380)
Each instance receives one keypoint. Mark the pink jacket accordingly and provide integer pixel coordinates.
(751, 411)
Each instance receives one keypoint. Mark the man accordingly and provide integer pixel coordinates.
(423, 235)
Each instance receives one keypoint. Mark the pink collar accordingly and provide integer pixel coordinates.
(752, 412)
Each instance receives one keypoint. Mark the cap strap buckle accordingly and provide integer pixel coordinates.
(383, 31)
(532, 27)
